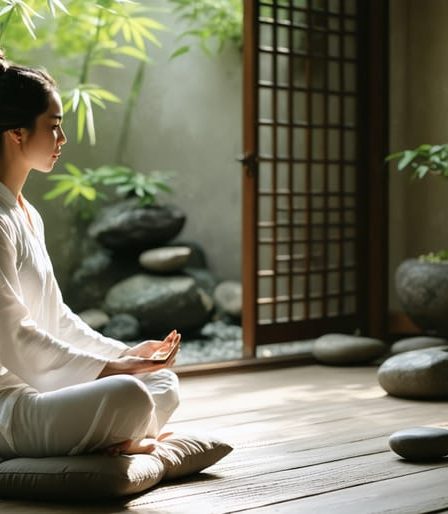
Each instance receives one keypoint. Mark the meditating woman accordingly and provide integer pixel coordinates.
(64, 388)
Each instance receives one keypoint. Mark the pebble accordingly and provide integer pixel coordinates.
(420, 443)
(341, 349)
(165, 260)
(417, 343)
(420, 374)
(228, 296)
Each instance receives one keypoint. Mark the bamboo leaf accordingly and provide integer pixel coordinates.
(81, 121)
(180, 51)
(132, 51)
(73, 170)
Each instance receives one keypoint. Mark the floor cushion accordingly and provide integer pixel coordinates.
(91, 477)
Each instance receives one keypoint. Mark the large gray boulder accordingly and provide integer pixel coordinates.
(128, 225)
(342, 350)
(160, 303)
(96, 274)
(420, 374)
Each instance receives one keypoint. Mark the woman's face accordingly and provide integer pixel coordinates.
(41, 146)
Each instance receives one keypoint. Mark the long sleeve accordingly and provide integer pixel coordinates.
(41, 360)
(68, 326)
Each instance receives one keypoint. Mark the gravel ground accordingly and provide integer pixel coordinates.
(219, 342)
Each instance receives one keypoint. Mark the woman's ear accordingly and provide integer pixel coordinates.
(15, 135)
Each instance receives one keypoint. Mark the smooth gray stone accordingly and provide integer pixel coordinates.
(160, 303)
(422, 288)
(197, 257)
(420, 443)
(95, 318)
(417, 343)
(96, 274)
(123, 327)
(165, 260)
(341, 349)
(420, 374)
(203, 278)
(127, 225)
(228, 296)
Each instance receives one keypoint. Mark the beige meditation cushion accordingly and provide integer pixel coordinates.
(89, 477)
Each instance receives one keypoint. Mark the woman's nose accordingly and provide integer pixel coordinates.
(62, 137)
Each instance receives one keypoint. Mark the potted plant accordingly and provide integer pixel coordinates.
(422, 283)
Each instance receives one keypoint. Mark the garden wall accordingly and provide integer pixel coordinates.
(188, 120)
(419, 114)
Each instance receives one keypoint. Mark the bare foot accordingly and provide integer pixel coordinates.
(133, 447)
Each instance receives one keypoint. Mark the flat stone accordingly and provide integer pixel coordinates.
(417, 343)
(341, 349)
(420, 374)
(95, 318)
(420, 443)
(127, 225)
(165, 260)
(197, 257)
(160, 303)
(228, 296)
(123, 327)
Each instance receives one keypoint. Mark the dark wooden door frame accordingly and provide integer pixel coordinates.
(374, 118)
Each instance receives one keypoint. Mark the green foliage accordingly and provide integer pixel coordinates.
(438, 257)
(213, 22)
(91, 184)
(84, 35)
(423, 160)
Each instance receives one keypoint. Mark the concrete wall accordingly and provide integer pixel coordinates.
(188, 120)
(419, 114)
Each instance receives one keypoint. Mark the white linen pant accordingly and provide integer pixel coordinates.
(86, 417)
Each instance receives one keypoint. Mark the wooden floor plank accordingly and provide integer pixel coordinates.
(307, 439)
(422, 492)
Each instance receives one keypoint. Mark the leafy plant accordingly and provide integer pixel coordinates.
(85, 183)
(86, 35)
(212, 22)
(440, 256)
(423, 160)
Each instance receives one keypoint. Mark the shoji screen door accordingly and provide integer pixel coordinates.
(310, 150)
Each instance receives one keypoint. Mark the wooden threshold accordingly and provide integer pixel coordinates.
(245, 364)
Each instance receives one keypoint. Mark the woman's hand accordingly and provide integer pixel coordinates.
(138, 359)
(148, 348)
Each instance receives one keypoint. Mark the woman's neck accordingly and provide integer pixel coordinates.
(13, 172)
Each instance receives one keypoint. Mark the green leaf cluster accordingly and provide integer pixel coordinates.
(213, 22)
(91, 184)
(440, 256)
(423, 160)
(81, 35)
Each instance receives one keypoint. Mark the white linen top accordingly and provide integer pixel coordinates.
(43, 345)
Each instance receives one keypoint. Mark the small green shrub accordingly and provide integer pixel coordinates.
(423, 160)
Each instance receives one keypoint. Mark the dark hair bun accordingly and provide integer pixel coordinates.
(3, 62)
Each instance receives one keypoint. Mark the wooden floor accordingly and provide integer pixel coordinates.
(307, 439)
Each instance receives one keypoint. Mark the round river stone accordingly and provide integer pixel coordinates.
(420, 443)
(420, 374)
(417, 343)
(166, 259)
(341, 349)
